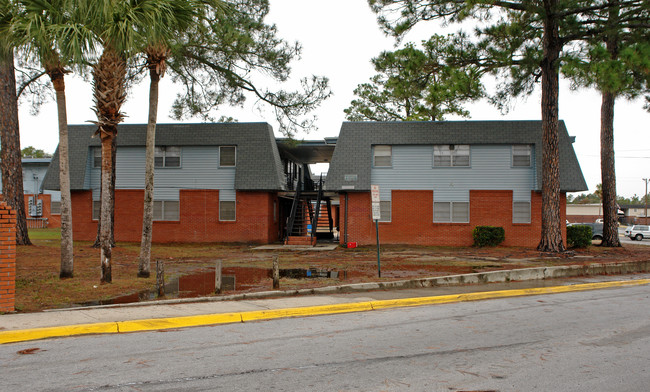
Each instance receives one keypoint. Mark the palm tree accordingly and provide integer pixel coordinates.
(42, 28)
(121, 27)
(161, 37)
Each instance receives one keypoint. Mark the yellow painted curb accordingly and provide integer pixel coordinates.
(53, 332)
(225, 318)
(306, 311)
(443, 299)
(177, 322)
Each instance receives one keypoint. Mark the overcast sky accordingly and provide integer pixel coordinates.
(339, 37)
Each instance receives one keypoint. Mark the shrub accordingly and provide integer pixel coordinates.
(488, 235)
(578, 236)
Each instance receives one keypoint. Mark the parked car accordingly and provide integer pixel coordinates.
(599, 220)
(596, 230)
(638, 232)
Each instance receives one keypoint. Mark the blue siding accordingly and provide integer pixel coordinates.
(490, 169)
(199, 170)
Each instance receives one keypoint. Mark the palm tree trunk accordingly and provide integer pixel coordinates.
(147, 216)
(551, 240)
(109, 82)
(67, 254)
(10, 159)
(106, 210)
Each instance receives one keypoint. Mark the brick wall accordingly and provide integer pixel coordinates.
(7, 258)
(199, 218)
(412, 220)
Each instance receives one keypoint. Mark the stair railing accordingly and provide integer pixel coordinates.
(294, 209)
(314, 222)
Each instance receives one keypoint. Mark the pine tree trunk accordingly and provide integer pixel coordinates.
(147, 216)
(67, 254)
(10, 158)
(608, 172)
(551, 240)
(607, 161)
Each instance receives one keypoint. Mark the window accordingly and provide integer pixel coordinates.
(227, 156)
(382, 156)
(55, 208)
(167, 156)
(384, 211)
(96, 209)
(97, 157)
(167, 210)
(448, 155)
(521, 156)
(227, 210)
(521, 212)
(451, 212)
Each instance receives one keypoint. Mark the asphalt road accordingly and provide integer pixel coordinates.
(583, 341)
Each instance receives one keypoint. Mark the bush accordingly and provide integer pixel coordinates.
(578, 236)
(488, 235)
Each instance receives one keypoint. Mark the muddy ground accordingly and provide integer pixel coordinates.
(38, 286)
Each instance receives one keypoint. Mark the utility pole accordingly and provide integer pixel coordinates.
(645, 199)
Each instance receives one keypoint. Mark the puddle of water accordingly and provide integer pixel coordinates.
(232, 278)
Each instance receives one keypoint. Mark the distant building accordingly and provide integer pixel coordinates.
(42, 208)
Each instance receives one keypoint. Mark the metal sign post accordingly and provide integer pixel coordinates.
(376, 215)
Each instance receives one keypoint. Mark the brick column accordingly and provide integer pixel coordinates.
(7, 258)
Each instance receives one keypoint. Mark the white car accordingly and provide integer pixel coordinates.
(638, 232)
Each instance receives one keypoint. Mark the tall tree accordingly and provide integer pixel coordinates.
(230, 55)
(616, 62)
(118, 25)
(10, 157)
(43, 27)
(415, 85)
(511, 43)
(160, 37)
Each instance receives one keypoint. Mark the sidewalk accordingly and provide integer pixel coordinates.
(328, 300)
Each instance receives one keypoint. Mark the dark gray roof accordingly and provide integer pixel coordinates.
(353, 149)
(258, 161)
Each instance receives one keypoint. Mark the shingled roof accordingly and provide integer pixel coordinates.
(258, 160)
(352, 155)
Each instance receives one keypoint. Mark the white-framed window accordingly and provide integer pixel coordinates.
(451, 212)
(382, 156)
(227, 210)
(167, 156)
(55, 208)
(97, 205)
(166, 210)
(97, 156)
(227, 156)
(385, 211)
(451, 155)
(521, 155)
(275, 211)
(521, 212)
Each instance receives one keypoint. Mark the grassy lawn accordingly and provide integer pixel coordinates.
(38, 285)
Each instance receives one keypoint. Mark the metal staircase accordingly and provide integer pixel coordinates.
(310, 218)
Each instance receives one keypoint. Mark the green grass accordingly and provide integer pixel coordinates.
(45, 234)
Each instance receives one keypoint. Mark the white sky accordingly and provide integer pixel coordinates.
(339, 37)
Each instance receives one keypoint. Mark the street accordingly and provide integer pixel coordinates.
(583, 341)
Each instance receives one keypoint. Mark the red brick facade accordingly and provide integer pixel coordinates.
(7, 258)
(412, 220)
(199, 218)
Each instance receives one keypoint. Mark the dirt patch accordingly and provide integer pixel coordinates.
(38, 286)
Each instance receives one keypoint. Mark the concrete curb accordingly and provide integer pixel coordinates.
(118, 327)
(524, 274)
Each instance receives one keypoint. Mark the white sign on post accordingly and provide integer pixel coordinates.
(374, 194)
